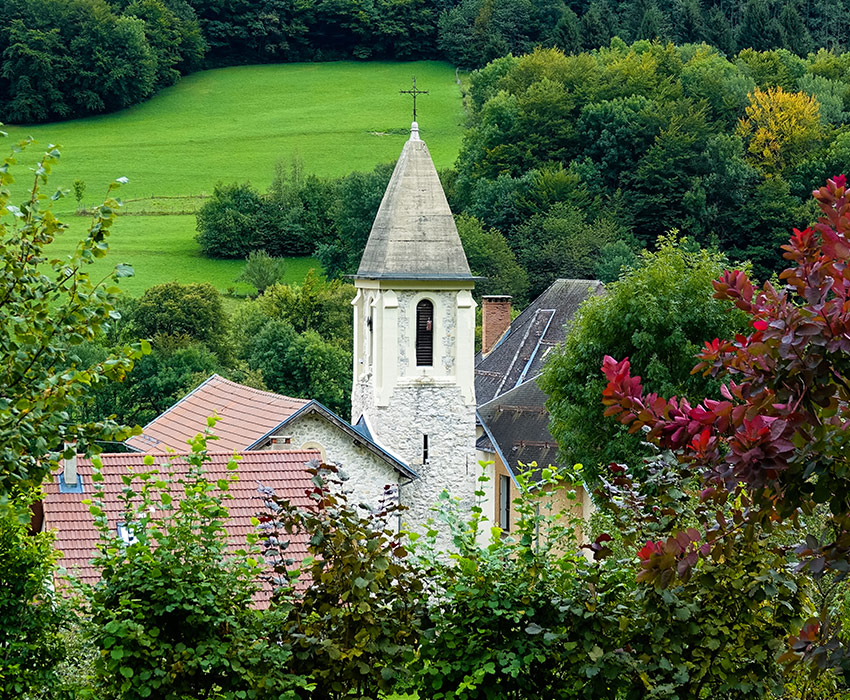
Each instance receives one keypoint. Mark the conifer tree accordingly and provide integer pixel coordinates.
(795, 35)
(759, 30)
(567, 33)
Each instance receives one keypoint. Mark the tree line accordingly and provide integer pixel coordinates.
(66, 58)
(582, 160)
(572, 164)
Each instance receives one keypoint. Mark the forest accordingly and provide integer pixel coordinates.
(66, 58)
(572, 164)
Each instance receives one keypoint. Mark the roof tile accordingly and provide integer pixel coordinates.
(77, 538)
(245, 414)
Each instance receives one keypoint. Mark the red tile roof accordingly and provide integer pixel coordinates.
(77, 539)
(246, 415)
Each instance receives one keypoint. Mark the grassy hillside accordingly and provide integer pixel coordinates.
(162, 249)
(234, 124)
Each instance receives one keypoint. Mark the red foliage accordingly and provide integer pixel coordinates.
(781, 426)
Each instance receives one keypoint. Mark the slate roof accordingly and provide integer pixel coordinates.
(246, 415)
(77, 539)
(519, 355)
(414, 234)
(517, 426)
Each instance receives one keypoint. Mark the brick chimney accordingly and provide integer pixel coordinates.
(495, 321)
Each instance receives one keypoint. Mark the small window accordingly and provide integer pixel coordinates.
(424, 449)
(424, 334)
(125, 532)
(505, 503)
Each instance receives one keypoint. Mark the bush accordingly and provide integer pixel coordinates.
(227, 223)
(261, 270)
(354, 629)
(32, 618)
(172, 615)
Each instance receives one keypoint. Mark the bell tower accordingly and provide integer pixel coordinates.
(414, 336)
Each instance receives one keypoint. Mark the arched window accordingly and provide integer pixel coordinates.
(424, 334)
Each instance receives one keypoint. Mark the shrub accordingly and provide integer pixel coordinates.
(354, 629)
(261, 270)
(32, 618)
(172, 615)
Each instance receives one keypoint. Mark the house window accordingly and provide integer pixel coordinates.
(424, 449)
(125, 532)
(505, 503)
(424, 333)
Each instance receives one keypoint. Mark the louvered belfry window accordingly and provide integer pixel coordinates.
(424, 334)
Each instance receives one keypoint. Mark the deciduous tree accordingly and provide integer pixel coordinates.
(49, 304)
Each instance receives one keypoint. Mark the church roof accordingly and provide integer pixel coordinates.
(517, 427)
(414, 236)
(245, 414)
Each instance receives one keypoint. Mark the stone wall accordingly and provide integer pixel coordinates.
(367, 472)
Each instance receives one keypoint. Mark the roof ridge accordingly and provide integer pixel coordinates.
(264, 392)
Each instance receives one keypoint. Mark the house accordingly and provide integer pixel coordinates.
(252, 420)
(64, 512)
(512, 417)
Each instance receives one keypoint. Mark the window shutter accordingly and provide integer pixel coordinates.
(505, 503)
(424, 334)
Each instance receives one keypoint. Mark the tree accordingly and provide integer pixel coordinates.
(261, 270)
(780, 128)
(49, 306)
(354, 208)
(304, 365)
(490, 256)
(79, 192)
(191, 311)
(758, 29)
(354, 628)
(227, 222)
(172, 613)
(315, 304)
(774, 445)
(657, 314)
(561, 243)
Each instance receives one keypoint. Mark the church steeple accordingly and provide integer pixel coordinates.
(414, 235)
(414, 335)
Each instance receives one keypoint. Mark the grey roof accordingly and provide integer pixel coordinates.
(517, 423)
(414, 234)
(519, 355)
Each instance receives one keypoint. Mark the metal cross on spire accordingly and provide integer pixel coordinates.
(413, 92)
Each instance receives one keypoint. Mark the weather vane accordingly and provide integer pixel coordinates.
(413, 92)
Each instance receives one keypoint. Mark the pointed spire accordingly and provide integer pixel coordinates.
(414, 234)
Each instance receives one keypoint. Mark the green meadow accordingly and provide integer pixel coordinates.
(234, 125)
(163, 249)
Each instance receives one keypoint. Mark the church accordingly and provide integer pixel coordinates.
(414, 421)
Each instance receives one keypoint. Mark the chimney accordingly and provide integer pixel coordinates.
(495, 321)
(69, 480)
(70, 472)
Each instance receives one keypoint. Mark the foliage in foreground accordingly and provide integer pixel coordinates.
(32, 617)
(49, 307)
(774, 449)
(354, 628)
(172, 615)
